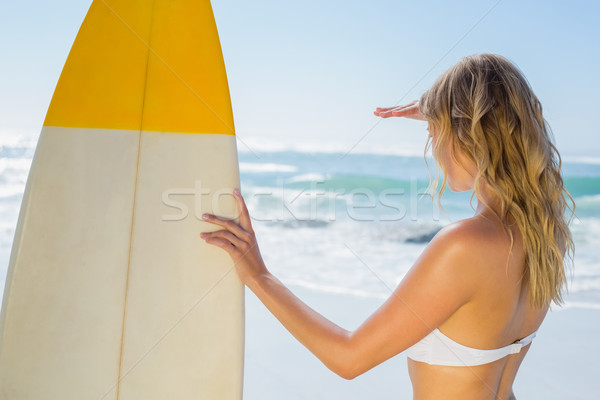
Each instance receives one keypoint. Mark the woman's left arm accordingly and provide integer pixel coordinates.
(432, 291)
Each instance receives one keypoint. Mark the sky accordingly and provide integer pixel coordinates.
(308, 74)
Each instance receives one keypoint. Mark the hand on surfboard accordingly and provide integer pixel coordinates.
(238, 240)
(410, 110)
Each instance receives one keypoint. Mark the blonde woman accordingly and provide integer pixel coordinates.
(469, 308)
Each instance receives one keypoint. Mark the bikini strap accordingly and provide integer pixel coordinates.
(519, 344)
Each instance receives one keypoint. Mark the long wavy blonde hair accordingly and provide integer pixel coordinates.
(484, 107)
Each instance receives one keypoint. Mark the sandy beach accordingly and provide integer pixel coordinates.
(562, 363)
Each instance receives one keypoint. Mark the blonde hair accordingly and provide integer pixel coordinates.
(484, 107)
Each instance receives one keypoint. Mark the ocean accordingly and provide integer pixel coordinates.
(350, 223)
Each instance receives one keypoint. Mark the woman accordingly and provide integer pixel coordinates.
(469, 308)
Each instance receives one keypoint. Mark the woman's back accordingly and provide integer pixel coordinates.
(498, 314)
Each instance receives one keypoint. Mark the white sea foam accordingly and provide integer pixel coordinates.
(588, 200)
(14, 167)
(10, 139)
(15, 163)
(7, 191)
(585, 284)
(310, 177)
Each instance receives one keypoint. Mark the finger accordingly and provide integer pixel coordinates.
(411, 104)
(380, 109)
(245, 221)
(224, 244)
(384, 114)
(405, 111)
(227, 236)
(226, 223)
(398, 111)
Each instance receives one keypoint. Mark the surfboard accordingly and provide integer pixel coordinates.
(111, 293)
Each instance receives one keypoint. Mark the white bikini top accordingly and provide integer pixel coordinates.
(438, 349)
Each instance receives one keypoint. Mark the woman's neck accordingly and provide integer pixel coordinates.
(488, 203)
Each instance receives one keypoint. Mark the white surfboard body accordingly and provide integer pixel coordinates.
(111, 293)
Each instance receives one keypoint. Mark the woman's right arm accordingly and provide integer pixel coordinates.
(440, 282)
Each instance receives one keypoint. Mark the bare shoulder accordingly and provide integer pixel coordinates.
(462, 247)
(473, 235)
(446, 276)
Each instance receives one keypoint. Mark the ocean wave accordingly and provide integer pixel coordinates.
(308, 177)
(409, 232)
(330, 202)
(343, 290)
(333, 289)
(267, 167)
(14, 166)
(587, 284)
(414, 232)
(588, 201)
(582, 159)
(17, 146)
(581, 187)
(355, 184)
(11, 192)
(586, 230)
(302, 223)
(257, 146)
(579, 304)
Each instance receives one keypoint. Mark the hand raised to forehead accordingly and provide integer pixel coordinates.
(410, 110)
